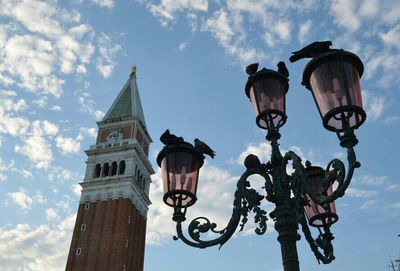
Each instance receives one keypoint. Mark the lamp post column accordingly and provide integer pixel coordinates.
(286, 226)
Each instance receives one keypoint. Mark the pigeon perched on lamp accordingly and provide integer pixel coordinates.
(169, 139)
(312, 50)
(203, 148)
(252, 69)
(282, 69)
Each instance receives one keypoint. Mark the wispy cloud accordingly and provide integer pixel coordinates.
(107, 52)
(34, 241)
(23, 200)
(104, 3)
(87, 105)
(36, 145)
(166, 11)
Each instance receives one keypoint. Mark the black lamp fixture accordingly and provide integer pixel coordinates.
(305, 197)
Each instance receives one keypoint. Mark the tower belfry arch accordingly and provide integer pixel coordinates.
(110, 227)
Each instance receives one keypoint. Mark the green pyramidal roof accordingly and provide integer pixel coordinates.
(127, 104)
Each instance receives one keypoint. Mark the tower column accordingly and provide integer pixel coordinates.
(113, 205)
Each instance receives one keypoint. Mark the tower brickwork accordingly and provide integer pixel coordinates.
(110, 226)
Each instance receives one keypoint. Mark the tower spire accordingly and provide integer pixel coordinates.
(133, 70)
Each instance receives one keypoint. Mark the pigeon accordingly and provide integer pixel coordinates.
(282, 69)
(252, 161)
(312, 50)
(169, 139)
(252, 69)
(203, 148)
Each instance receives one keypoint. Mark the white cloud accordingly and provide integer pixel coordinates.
(4, 168)
(167, 9)
(183, 45)
(9, 124)
(262, 150)
(63, 174)
(25, 173)
(228, 30)
(52, 215)
(369, 8)
(35, 241)
(360, 193)
(49, 128)
(76, 188)
(373, 180)
(14, 126)
(87, 105)
(392, 188)
(42, 40)
(220, 26)
(83, 131)
(35, 15)
(104, 3)
(35, 144)
(391, 120)
(65, 203)
(283, 29)
(7, 103)
(41, 102)
(304, 31)
(68, 145)
(373, 104)
(392, 37)
(23, 200)
(31, 60)
(344, 14)
(107, 52)
(56, 108)
(369, 204)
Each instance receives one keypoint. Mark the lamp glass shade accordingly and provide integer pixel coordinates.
(267, 90)
(320, 215)
(180, 168)
(334, 79)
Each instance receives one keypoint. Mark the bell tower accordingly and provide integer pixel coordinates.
(110, 226)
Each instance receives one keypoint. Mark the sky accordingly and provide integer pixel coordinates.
(62, 64)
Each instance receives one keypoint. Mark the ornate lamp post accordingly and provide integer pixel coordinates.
(306, 196)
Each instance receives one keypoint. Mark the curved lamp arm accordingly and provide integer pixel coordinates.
(335, 171)
(323, 242)
(246, 199)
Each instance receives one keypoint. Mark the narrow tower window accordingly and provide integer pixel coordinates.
(114, 166)
(126, 243)
(83, 227)
(121, 167)
(106, 169)
(143, 184)
(87, 205)
(78, 251)
(97, 171)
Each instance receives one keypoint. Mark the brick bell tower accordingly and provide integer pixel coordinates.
(110, 226)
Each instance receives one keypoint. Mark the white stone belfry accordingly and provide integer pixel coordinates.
(117, 165)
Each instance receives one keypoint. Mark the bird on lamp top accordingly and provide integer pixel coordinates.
(252, 69)
(169, 139)
(203, 148)
(312, 50)
(282, 69)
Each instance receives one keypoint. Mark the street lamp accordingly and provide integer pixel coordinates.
(304, 197)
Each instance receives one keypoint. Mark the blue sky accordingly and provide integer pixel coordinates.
(62, 63)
